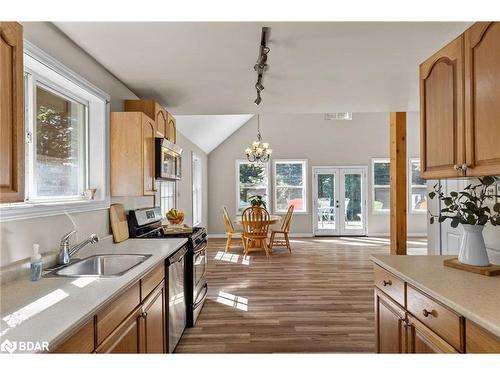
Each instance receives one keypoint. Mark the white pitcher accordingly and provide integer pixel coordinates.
(473, 249)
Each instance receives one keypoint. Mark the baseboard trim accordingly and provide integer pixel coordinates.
(292, 235)
(388, 234)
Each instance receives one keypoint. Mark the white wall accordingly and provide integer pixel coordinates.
(323, 143)
(17, 237)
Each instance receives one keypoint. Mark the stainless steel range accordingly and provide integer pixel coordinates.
(146, 223)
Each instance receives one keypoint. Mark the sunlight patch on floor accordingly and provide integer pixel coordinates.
(232, 258)
(228, 299)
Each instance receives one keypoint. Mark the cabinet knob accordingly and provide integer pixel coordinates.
(386, 283)
(457, 167)
(144, 314)
(427, 313)
(464, 167)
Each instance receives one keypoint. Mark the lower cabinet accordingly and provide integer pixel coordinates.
(390, 325)
(154, 321)
(126, 338)
(422, 340)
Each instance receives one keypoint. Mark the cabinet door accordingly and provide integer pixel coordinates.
(161, 122)
(154, 321)
(172, 132)
(11, 113)
(441, 115)
(127, 337)
(422, 340)
(482, 98)
(390, 328)
(148, 138)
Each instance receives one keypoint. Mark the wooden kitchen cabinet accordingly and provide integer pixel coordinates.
(422, 340)
(390, 325)
(154, 316)
(479, 340)
(127, 337)
(171, 133)
(460, 106)
(441, 112)
(82, 341)
(132, 154)
(11, 113)
(152, 109)
(482, 99)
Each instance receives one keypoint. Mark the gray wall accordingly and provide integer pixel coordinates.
(323, 143)
(17, 237)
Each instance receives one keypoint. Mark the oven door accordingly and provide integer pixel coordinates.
(200, 286)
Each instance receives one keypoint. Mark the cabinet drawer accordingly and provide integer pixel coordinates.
(151, 280)
(478, 340)
(80, 342)
(392, 285)
(111, 316)
(446, 323)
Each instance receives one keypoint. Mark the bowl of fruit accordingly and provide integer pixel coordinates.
(175, 216)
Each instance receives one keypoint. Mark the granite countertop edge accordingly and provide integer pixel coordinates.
(466, 313)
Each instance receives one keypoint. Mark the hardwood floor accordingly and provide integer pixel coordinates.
(317, 299)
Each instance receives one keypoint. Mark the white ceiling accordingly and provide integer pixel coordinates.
(206, 68)
(208, 131)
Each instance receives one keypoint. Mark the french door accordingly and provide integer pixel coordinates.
(339, 201)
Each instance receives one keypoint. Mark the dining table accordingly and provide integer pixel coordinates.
(257, 244)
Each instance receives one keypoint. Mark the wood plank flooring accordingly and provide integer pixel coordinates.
(319, 299)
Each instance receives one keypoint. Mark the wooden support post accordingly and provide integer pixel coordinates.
(398, 183)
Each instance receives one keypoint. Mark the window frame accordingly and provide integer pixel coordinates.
(160, 198)
(197, 217)
(305, 171)
(237, 183)
(410, 186)
(378, 211)
(53, 75)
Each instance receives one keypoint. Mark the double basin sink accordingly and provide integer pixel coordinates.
(103, 265)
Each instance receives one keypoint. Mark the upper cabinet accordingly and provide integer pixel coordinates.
(441, 114)
(159, 114)
(482, 99)
(11, 113)
(460, 106)
(132, 154)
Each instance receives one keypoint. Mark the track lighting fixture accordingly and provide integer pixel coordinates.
(261, 64)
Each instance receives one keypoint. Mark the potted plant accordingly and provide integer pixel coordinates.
(257, 201)
(470, 208)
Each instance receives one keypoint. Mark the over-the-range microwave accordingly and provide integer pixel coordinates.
(167, 160)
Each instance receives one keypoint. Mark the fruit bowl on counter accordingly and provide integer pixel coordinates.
(175, 217)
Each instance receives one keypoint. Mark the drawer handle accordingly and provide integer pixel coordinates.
(389, 282)
(428, 313)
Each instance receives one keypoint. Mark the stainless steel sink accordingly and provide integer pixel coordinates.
(103, 265)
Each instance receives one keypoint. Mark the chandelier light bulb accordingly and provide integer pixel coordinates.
(265, 145)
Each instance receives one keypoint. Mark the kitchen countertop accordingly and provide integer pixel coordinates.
(51, 309)
(474, 296)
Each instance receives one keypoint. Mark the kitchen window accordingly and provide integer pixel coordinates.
(417, 188)
(252, 179)
(290, 182)
(66, 122)
(381, 202)
(197, 189)
(168, 195)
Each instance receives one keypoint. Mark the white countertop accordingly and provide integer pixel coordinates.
(474, 296)
(53, 308)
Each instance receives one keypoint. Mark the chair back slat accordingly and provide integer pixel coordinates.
(255, 222)
(285, 227)
(228, 224)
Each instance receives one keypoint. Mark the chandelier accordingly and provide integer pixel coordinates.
(259, 151)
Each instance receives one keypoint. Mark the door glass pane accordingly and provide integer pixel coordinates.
(326, 201)
(60, 145)
(353, 201)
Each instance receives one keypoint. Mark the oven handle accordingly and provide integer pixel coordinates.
(205, 287)
(202, 249)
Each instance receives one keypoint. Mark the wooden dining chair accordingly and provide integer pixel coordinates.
(255, 221)
(230, 231)
(285, 228)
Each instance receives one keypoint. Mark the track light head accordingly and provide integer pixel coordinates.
(258, 99)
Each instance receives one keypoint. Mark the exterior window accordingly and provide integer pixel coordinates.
(59, 146)
(252, 179)
(418, 188)
(381, 185)
(197, 189)
(168, 195)
(290, 181)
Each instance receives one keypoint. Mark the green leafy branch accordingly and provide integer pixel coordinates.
(468, 206)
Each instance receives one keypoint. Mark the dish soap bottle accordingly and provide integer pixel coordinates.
(36, 263)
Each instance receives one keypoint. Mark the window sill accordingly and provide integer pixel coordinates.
(24, 210)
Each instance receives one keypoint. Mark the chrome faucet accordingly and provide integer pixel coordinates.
(66, 252)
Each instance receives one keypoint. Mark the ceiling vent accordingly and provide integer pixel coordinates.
(338, 116)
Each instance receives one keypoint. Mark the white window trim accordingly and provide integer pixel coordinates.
(194, 157)
(98, 155)
(237, 183)
(305, 172)
(380, 211)
(410, 186)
